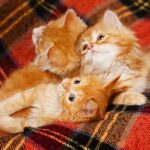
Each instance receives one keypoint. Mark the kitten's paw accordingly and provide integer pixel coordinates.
(130, 98)
(11, 125)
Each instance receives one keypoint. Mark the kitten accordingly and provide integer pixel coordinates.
(78, 100)
(109, 49)
(55, 52)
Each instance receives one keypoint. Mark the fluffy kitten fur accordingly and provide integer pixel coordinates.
(55, 44)
(27, 77)
(109, 49)
(79, 100)
(55, 53)
(34, 74)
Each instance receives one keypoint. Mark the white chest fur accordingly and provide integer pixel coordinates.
(101, 59)
(47, 100)
(104, 64)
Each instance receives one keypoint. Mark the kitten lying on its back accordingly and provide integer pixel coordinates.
(35, 74)
(79, 100)
(109, 49)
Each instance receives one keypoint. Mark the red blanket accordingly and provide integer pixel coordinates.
(125, 128)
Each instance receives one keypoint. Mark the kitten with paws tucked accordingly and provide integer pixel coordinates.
(80, 99)
(109, 49)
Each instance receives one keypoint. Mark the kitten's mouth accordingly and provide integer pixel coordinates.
(103, 51)
(99, 52)
(92, 51)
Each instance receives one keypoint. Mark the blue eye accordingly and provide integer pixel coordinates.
(77, 82)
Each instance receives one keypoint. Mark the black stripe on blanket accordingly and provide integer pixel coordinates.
(140, 8)
(83, 139)
(47, 9)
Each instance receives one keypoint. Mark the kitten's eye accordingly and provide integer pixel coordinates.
(85, 47)
(100, 37)
(77, 82)
(71, 97)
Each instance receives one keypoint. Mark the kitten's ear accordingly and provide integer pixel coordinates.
(64, 19)
(109, 87)
(72, 20)
(112, 20)
(36, 33)
(89, 108)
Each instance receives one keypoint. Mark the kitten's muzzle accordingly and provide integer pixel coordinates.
(90, 46)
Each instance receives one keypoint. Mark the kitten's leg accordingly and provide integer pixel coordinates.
(16, 102)
(37, 118)
(11, 124)
(130, 98)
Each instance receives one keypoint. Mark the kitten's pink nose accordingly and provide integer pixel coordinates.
(91, 45)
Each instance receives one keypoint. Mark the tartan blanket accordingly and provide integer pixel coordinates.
(124, 128)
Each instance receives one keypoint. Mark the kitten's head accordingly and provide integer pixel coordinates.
(84, 98)
(108, 38)
(55, 44)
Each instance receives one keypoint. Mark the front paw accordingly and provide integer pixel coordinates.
(130, 98)
(11, 125)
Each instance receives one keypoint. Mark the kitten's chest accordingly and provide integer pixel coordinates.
(47, 101)
(104, 62)
(117, 70)
(98, 61)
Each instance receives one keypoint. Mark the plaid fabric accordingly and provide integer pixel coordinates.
(125, 128)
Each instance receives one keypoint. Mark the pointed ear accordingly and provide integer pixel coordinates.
(109, 87)
(64, 19)
(72, 20)
(112, 20)
(70, 17)
(60, 22)
(89, 108)
(36, 34)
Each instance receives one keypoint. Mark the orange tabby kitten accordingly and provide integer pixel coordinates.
(55, 48)
(85, 98)
(55, 51)
(78, 99)
(110, 49)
